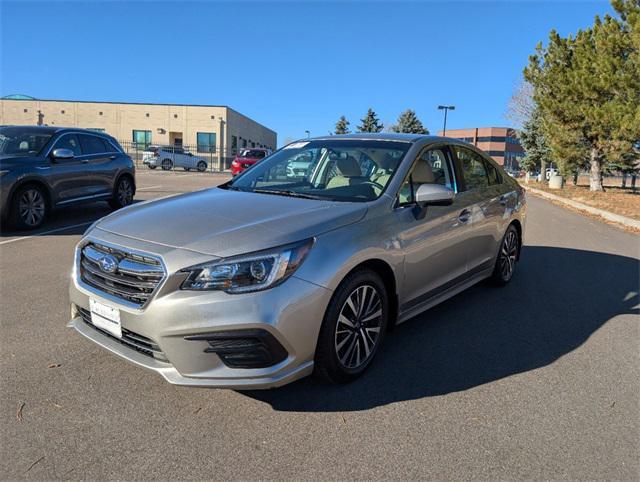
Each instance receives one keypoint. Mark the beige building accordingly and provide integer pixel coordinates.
(202, 128)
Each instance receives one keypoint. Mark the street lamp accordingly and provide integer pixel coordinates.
(308, 134)
(446, 108)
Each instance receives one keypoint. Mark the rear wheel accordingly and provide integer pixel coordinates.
(122, 194)
(202, 166)
(29, 207)
(353, 327)
(167, 164)
(507, 257)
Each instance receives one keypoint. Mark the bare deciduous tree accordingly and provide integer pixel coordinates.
(521, 105)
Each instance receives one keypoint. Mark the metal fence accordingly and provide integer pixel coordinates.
(197, 158)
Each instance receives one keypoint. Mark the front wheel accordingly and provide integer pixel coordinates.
(29, 208)
(353, 327)
(167, 164)
(123, 193)
(202, 166)
(507, 257)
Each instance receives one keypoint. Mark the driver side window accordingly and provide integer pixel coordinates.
(431, 167)
(69, 141)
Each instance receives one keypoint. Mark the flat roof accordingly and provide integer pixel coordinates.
(33, 99)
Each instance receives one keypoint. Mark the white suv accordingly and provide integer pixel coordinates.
(169, 157)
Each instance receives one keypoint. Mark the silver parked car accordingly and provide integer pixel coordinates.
(170, 157)
(268, 278)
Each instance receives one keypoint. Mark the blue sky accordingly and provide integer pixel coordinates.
(292, 66)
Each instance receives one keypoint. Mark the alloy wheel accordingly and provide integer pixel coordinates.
(125, 192)
(358, 327)
(32, 207)
(508, 255)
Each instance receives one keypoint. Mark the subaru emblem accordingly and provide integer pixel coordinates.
(108, 263)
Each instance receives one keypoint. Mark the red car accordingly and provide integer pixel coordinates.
(247, 158)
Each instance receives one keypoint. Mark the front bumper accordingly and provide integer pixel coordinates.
(175, 320)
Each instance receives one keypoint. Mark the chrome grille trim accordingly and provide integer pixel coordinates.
(135, 280)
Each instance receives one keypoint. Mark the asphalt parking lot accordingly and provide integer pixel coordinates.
(540, 379)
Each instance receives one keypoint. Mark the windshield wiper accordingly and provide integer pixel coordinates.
(279, 192)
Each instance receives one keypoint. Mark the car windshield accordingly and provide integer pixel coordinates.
(252, 154)
(341, 170)
(22, 142)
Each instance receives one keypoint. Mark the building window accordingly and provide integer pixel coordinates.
(100, 113)
(206, 142)
(62, 112)
(175, 116)
(147, 114)
(244, 143)
(26, 110)
(141, 139)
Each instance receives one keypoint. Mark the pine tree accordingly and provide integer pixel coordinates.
(409, 123)
(342, 126)
(537, 151)
(587, 88)
(370, 123)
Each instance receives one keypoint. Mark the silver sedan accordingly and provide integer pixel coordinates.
(268, 278)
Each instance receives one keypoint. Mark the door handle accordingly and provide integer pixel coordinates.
(85, 161)
(464, 216)
(112, 157)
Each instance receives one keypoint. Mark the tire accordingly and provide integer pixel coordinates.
(507, 257)
(167, 164)
(202, 166)
(348, 342)
(152, 167)
(122, 193)
(29, 207)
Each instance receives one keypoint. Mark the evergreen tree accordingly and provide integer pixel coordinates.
(587, 88)
(342, 126)
(409, 123)
(370, 123)
(537, 151)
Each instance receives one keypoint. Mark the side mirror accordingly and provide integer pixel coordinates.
(432, 195)
(63, 154)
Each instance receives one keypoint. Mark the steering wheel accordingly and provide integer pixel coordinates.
(374, 184)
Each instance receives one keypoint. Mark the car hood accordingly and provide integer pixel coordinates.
(226, 223)
(8, 161)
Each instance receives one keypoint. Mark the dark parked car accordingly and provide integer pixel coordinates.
(42, 168)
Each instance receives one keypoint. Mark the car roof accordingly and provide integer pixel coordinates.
(383, 136)
(57, 129)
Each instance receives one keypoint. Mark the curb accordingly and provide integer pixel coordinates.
(616, 218)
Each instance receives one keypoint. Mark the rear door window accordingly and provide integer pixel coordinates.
(92, 145)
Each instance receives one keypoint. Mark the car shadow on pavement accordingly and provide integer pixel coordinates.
(69, 221)
(558, 298)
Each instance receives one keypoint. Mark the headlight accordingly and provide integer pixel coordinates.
(252, 272)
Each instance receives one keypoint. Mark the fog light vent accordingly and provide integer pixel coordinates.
(244, 348)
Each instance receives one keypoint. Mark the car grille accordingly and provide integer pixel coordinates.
(133, 277)
(140, 343)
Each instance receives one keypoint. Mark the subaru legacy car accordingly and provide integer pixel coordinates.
(304, 275)
(43, 168)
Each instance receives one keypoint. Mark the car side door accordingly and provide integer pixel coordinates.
(69, 178)
(485, 207)
(434, 246)
(100, 160)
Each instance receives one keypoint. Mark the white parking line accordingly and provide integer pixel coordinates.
(148, 187)
(44, 233)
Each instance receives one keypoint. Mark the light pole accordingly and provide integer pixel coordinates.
(308, 134)
(446, 108)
